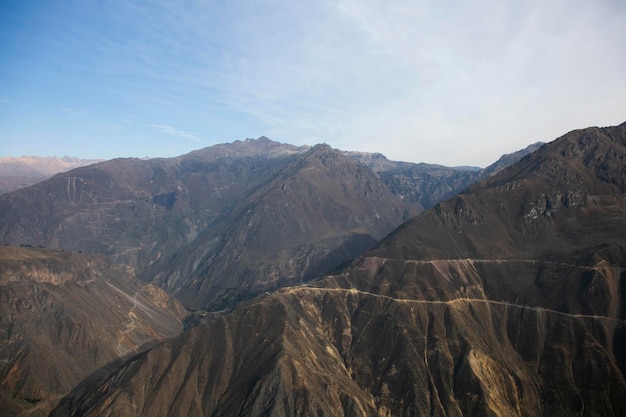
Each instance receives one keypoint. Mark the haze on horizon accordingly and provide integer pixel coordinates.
(455, 83)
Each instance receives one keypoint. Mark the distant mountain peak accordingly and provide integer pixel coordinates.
(323, 148)
(510, 158)
(19, 172)
(261, 140)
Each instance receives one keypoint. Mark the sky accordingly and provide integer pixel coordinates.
(447, 82)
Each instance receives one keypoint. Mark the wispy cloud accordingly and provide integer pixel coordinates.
(176, 132)
(131, 118)
(78, 112)
(420, 81)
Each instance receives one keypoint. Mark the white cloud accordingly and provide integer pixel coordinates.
(445, 82)
(175, 132)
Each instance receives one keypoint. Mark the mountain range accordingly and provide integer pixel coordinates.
(227, 222)
(428, 184)
(19, 172)
(318, 288)
(504, 300)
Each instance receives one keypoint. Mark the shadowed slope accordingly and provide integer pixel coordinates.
(136, 210)
(318, 212)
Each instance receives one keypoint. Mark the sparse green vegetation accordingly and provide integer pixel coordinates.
(30, 401)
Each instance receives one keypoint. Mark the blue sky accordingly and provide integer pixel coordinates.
(450, 82)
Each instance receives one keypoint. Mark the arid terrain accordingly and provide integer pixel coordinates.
(312, 282)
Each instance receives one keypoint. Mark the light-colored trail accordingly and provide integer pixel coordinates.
(132, 324)
(355, 291)
(492, 261)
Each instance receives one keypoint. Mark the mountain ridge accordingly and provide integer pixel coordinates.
(142, 212)
(321, 205)
(427, 184)
(154, 215)
(437, 320)
(538, 197)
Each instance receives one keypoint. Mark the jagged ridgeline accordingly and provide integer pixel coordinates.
(505, 300)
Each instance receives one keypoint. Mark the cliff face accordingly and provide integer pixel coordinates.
(65, 316)
(506, 300)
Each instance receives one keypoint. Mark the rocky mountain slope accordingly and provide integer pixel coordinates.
(135, 210)
(216, 225)
(23, 171)
(506, 300)
(224, 223)
(64, 316)
(429, 184)
(318, 212)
